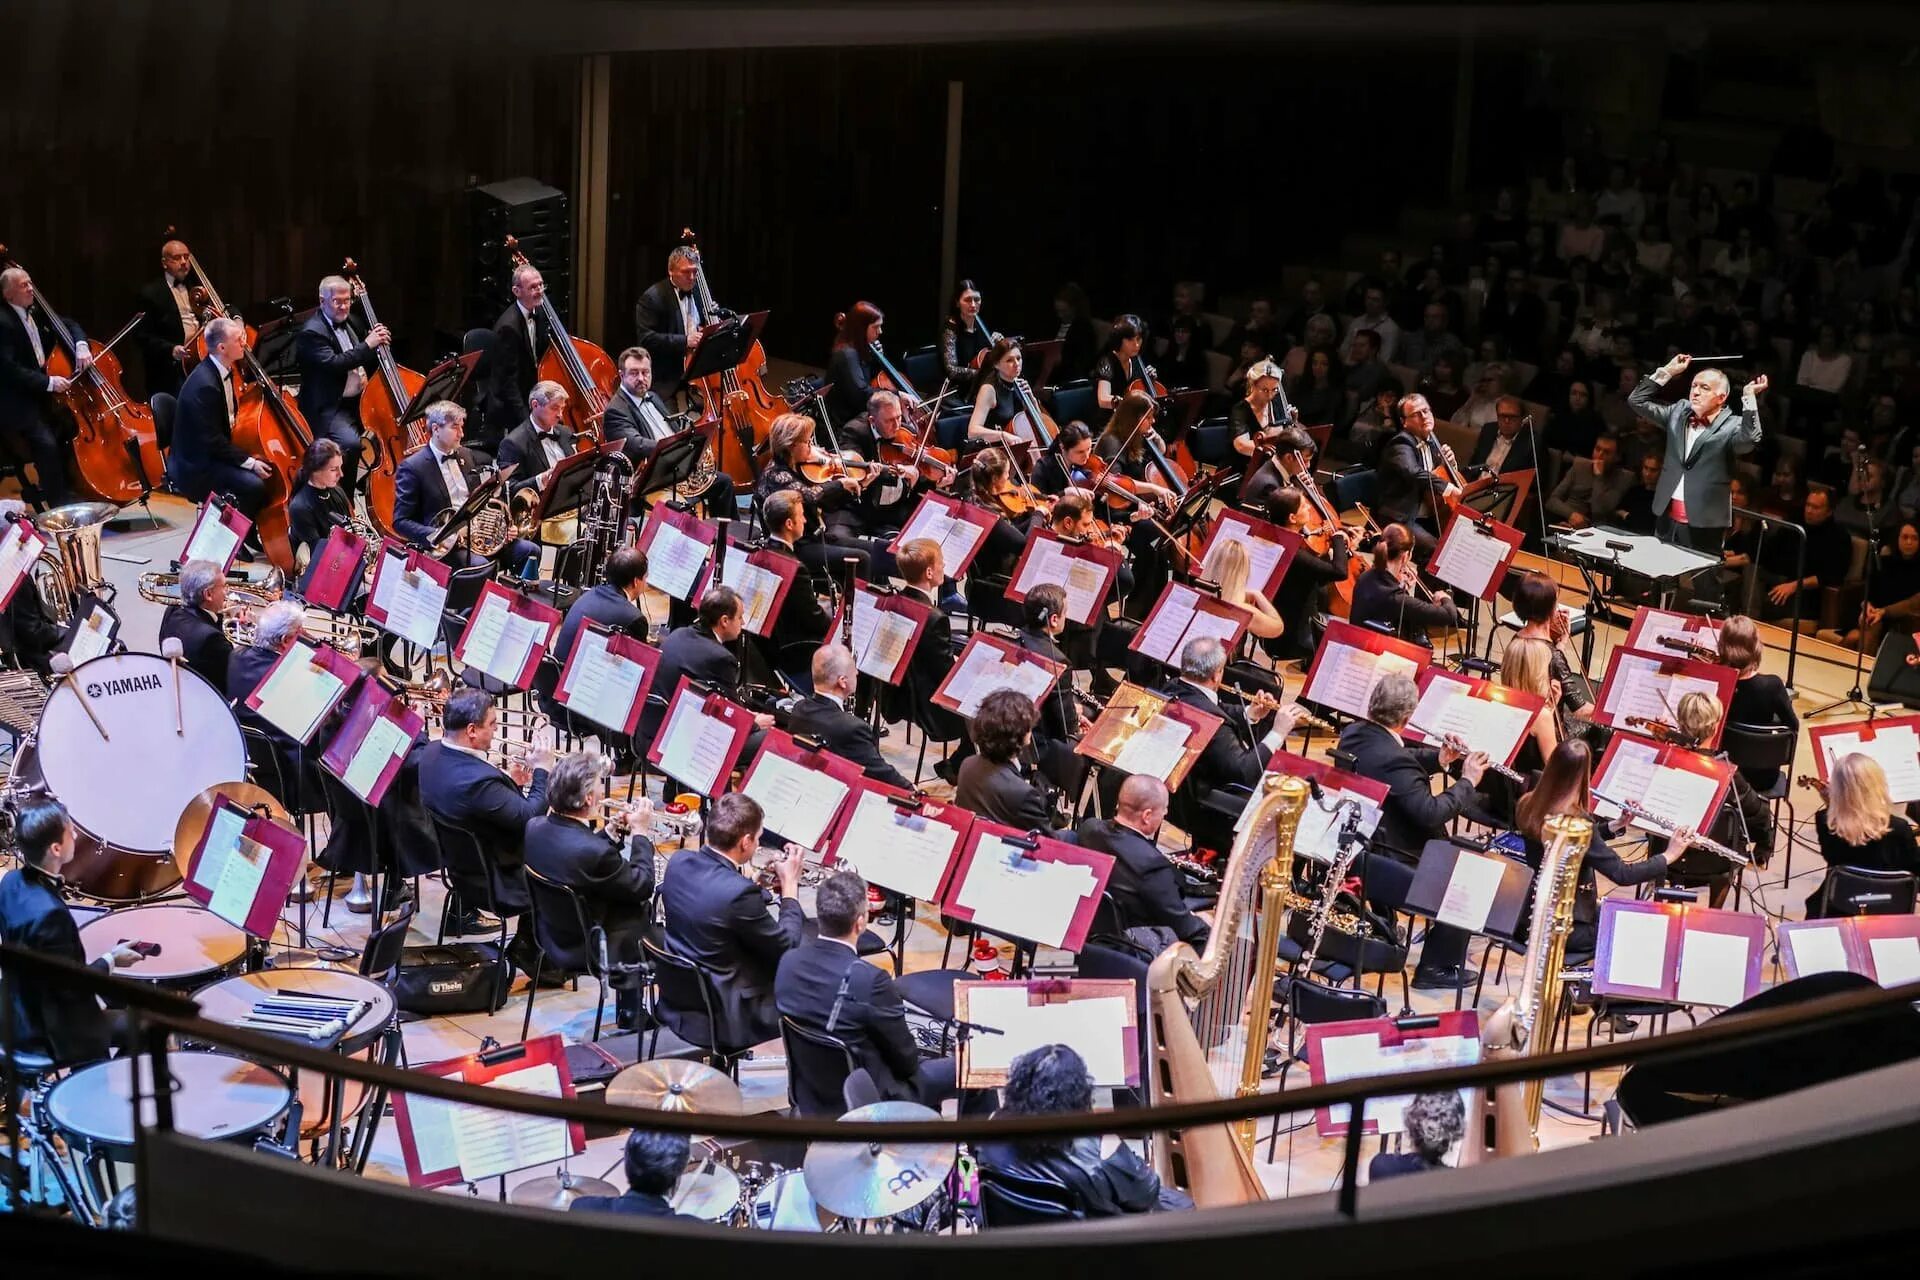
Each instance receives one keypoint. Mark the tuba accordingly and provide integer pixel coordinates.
(70, 566)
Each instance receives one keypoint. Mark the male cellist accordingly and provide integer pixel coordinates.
(205, 458)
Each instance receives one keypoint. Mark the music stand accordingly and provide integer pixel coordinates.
(445, 381)
(672, 462)
(1893, 742)
(273, 344)
(1482, 893)
(724, 345)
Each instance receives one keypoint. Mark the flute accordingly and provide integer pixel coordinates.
(1634, 809)
(1454, 742)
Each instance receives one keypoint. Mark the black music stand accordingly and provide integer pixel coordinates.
(274, 342)
(672, 462)
(481, 494)
(724, 345)
(564, 485)
(445, 381)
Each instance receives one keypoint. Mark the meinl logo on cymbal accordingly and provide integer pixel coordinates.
(130, 684)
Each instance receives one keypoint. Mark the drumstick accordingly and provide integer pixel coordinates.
(62, 665)
(171, 649)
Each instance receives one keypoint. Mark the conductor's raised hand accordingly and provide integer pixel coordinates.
(1757, 384)
(1678, 364)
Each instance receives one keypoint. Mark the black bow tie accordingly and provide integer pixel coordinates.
(544, 435)
(684, 294)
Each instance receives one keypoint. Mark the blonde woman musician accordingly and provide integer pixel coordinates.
(1859, 828)
(1528, 666)
(1231, 566)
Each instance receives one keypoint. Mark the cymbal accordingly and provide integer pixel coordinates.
(707, 1191)
(558, 1192)
(670, 1084)
(877, 1179)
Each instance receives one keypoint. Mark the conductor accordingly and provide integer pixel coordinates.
(1703, 434)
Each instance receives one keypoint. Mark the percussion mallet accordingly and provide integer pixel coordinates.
(171, 650)
(62, 665)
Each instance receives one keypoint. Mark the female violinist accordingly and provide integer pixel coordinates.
(997, 402)
(1302, 598)
(963, 337)
(1068, 465)
(831, 489)
(319, 504)
(853, 364)
(1391, 591)
(1114, 369)
(1256, 419)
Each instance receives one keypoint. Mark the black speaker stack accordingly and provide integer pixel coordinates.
(537, 216)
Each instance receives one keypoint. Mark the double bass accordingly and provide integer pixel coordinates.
(384, 400)
(115, 451)
(582, 367)
(207, 303)
(267, 424)
(737, 395)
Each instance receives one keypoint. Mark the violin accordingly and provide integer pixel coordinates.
(1810, 780)
(582, 367)
(901, 446)
(1662, 731)
(386, 398)
(1016, 501)
(824, 467)
(738, 394)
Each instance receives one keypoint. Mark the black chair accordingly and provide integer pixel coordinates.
(1075, 402)
(950, 428)
(463, 592)
(559, 897)
(1863, 891)
(1212, 442)
(380, 959)
(1356, 486)
(825, 1062)
(1308, 1003)
(1011, 1200)
(468, 875)
(925, 368)
(1766, 749)
(685, 994)
(859, 1090)
(163, 407)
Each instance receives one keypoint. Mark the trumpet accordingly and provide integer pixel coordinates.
(812, 872)
(514, 740)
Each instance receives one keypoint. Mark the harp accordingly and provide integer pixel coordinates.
(1208, 1014)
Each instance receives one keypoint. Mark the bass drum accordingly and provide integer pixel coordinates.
(168, 736)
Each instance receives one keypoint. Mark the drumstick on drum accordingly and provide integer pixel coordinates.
(171, 649)
(62, 665)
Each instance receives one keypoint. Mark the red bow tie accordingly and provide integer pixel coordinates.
(1698, 421)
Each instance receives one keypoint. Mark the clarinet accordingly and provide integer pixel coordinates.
(720, 550)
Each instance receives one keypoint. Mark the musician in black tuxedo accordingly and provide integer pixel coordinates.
(654, 1163)
(824, 716)
(463, 788)
(802, 624)
(1238, 752)
(613, 603)
(718, 918)
(205, 459)
(51, 1018)
(195, 622)
(1043, 616)
(32, 420)
(167, 320)
(541, 441)
(335, 363)
(292, 773)
(521, 337)
(1405, 478)
(824, 986)
(638, 416)
(990, 781)
(1412, 814)
(703, 652)
(438, 479)
(1145, 886)
(923, 567)
(667, 320)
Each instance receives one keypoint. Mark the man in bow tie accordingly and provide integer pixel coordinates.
(1692, 503)
(335, 363)
(543, 439)
(33, 420)
(168, 321)
(668, 319)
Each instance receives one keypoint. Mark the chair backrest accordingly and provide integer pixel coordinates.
(820, 1061)
(1074, 401)
(1010, 1200)
(1863, 891)
(463, 590)
(1108, 920)
(859, 1091)
(465, 860)
(385, 947)
(550, 896)
(1759, 746)
(1313, 1002)
(162, 405)
(924, 369)
(266, 762)
(1361, 486)
(685, 988)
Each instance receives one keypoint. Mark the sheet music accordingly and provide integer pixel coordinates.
(413, 608)
(1681, 797)
(800, 803)
(1896, 961)
(905, 852)
(601, 684)
(1661, 623)
(1471, 890)
(1048, 561)
(1896, 749)
(1352, 1057)
(957, 537)
(1639, 956)
(1096, 1029)
(1818, 949)
(694, 745)
(297, 694)
(1638, 689)
(224, 827)
(984, 671)
(91, 638)
(1263, 556)
(880, 637)
(1713, 968)
(1169, 624)
(1469, 558)
(674, 561)
(211, 540)
(241, 874)
(1009, 892)
(500, 641)
(18, 550)
(383, 742)
(483, 1143)
(1346, 675)
(1447, 709)
(1629, 774)
(757, 588)
(1155, 748)
(1318, 835)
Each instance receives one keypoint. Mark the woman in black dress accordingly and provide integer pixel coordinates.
(1758, 699)
(1114, 369)
(853, 364)
(962, 337)
(997, 401)
(1384, 595)
(319, 503)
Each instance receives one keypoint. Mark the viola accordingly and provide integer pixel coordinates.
(115, 451)
(739, 395)
(902, 447)
(1015, 501)
(386, 398)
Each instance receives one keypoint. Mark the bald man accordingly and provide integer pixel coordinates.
(826, 715)
(167, 321)
(1693, 503)
(1145, 886)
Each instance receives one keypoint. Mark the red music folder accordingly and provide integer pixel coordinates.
(989, 663)
(906, 843)
(447, 1143)
(1651, 626)
(1351, 660)
(887, 627)
(801, 786)
(507, 634)
(1682, 787)
(1474, 554)
(1184, 613)
(339, 571)
(372, 742)
(18, 551)
(1676, 952)
(1338, 1051)
(1270, 549)
(303, 687)
(1885, 949)
(1086, 571)
(762, 579)
(244, 866)
(1650, 686)
(701, 738)
(677, 546)
(1892, 741)
(961, 529)
(216, 534)
(1487, 716)
(607, 677)
(409, 593)
(1030, 887)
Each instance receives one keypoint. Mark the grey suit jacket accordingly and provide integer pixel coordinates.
(1709, 467)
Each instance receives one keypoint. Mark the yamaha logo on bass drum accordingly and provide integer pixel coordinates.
(130, 684)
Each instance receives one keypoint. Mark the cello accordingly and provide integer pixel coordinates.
(737, 395)
(267, 425)
(1179, 472)
(386, 398)
(115, 452)
(582, 367)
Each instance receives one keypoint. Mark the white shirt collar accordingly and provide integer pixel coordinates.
(219, 364)
(840, 942)
(1212, 696)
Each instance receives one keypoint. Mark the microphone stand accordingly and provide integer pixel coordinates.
(1856, 696)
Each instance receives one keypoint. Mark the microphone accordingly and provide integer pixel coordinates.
(1614, 544)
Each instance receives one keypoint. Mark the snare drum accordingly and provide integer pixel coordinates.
(196, 946)
(709, 1192)
(216, 1096)
(785, 1204)
(124, 790)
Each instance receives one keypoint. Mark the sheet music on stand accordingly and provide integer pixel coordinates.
(1488, 716)
(1474, 554)
(449, 1143)
(887, 628)
(762, 579)
(1318, 834)
(701, 738)
(989, 663)
(961, 529)
(1031, 887)
(1682, 788)
(339, 571)
(607, 677)
(1270, 549)
(1651, 626)
(303, 687)
(1139, 731)
(507, 635)
(409, 594)
(904, 843)
(1351, 660)
(1678, 953)
(19, 549)
(1478, 891)
(800, 789)
(92, 632)
(677, 546)
(1084, 571)
(1362, 1047)
(1096, 1017)
(1893, 742)
(1651, 685)
(1183, 614)
(216, 534)
(243, 867)
(372, 742)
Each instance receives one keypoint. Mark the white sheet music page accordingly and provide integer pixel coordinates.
(240, 877)
(1350, 1057)
(500, 640)
(957, 537)
(1896, 961)
(1203, 623)
(1163, 634)
(413, 608)
(1818, 949)
(757, 588)
(383, 742)
(18, 550)
(1639, 956)
(297, 694)
(602, 684)
(1154, 748)
(985, 671)
(1713, 968)
(1628, 775)
(1679, 796)
(892, 632)
(1081, 579)
(693, 746)
(91, 638)
(211, 539)
(223, 834)
(493, 1142)
(1471, 890)
(674, 561)
(800, 804)
(1346, 675)
(1469, 559)
(1897, 750)
(904, 852)
(1638, 689)
(1096, 1029)
(1009, 892)
(1661, 623)
(1318, 835)
(1262, 555)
